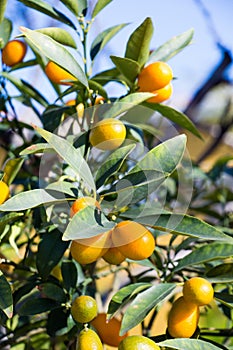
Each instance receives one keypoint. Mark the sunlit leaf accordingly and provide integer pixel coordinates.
(72, 5)
(2, 9)
(127, 67)
(5, 31)
(100, 5)
(11, 217)
(11, 169)
(172, 47)
(60, 35)
(187, 344)
(138, 45)
(36, 148)
(6, 300)
(222, 273)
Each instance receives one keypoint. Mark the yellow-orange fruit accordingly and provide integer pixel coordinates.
(14, 52)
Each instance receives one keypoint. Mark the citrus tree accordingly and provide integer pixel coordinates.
(106, 226)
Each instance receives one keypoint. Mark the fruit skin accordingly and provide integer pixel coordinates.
(113, 256)
(84, 309)
(138, 342)
(82, 203)
(4, 192)
(162, 94)
(88, 340)
(108, 331)
(155, 76)
(198, 290)
(88, 250)
(133, 240)
(57, 74)
(182, 319)
(14, 52)
(108, 134)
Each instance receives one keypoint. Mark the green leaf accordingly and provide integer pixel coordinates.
(62, 186)
(210, 252)
(37, 148)
(51, 117)
(175, 116)
(222, 273)
(126, 103)
(138, 45)
(224, 298)
(2, 9)
(29, 199)
(103, 38)
(6, 300)
(71, 155)
(89, 224)
(172, 47)
(97, 88)
(52, 291)
(110, 166)
(143, 304)
(56, 53)
(26, 89)
(11, 169)
(127, 67)
(72, 5)
(36, 306)
(69, 274)
(106, 76)
(187, 344)
(5, 32)
(121, 297)
(60, 35)
(50, 251)
(100, 5)
(48, 10)
(4, 220)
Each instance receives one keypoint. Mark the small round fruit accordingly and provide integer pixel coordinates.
(183, 319)
(133, 240)
(88, 340)
(108, 331)
(162, 94)
(57, 74)
(84, 309)
(113, 256)
(138, 342)
(154, 76)
(108, 134)
(4, 192)
(14, 52)
(82, 203)
(88, 250)
(198, 290)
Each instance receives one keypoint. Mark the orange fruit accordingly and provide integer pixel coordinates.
(162, 94)
(138, 342)
(155, 76)
(84, 309)
(198, 290)
(57, 74)
(4, 192)
(71, 102)
(108, 331)
(89, 250)
(99, 100)
(14, 52)
(82, 203)
(133, 240)
(88, 340)
(183, 319)
(107, 134)
(113, 256)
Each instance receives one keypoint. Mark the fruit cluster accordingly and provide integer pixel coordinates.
(184, 315)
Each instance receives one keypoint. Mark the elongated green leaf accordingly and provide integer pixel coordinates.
(127, 67)
(103, 38)
(50, 251)
(212, 251)
(29, 199)
(123, 296)
(187, 344)
(6, 300)
(60, 35)
(112, 164)
(72, 5)
(5, 31)
(107, 76)
(225, 299)
(36, 306)
(126, 103)
(222, 273)
(11, 169)
(82, 7)
(71, 155)
(89, 224)
(69, 274)
(97, 88)
(138, 45)
(52, 291)
(26, 89)
(172, 47)
(2, 9)
(4, 220)
(175, 116)
(143, 304)
(56, 53)
(47, 9)
(62, 186)
(100, 5)
(37, 148)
